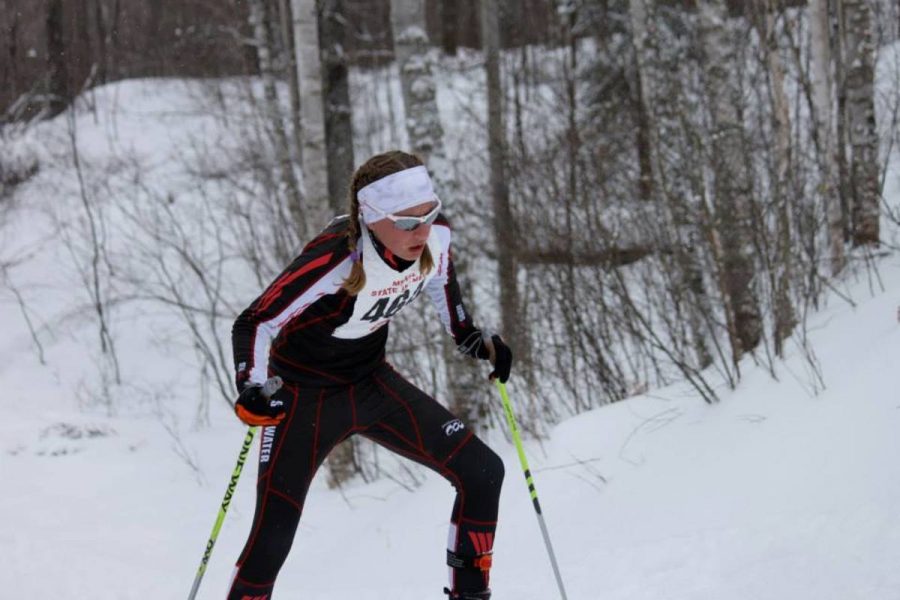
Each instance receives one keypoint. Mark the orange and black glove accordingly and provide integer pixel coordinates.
(255, 408)
(489, 347)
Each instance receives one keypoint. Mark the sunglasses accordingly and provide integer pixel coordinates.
(411, 223)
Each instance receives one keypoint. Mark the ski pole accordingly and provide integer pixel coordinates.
(514, 427)
(271, 386)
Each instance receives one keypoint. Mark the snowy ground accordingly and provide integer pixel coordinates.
(784, 490)
(772, 494)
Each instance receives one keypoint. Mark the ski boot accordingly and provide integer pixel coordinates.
(244, 590)
(479, 567)
(482, 595)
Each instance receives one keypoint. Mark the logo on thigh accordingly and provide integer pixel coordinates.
(268, 440)
(451, 427)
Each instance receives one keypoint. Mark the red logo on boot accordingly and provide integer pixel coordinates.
(483, 542)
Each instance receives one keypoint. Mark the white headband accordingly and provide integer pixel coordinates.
(398, 191)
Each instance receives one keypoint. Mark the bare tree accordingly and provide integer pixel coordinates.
(823, 103)
(859, 64)
(309, 72)
(426, 139)
(58, 92)
(263, 23)
(655, 108)
(417, 80)
(336, 94)
(449, 26)
(103, 40)
(782, 270)
(643, 91)
(503, 222)
(732, 186)
(9, 25)
(170, 266)
(286, 20)
(96, 277)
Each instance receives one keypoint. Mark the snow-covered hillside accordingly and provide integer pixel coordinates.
(774, 493)
(787, 489)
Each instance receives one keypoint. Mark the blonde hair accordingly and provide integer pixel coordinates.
(380, 165)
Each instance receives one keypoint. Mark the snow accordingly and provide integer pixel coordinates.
(773, 493)
(788, 488)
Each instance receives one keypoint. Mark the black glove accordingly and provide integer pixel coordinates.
(254, 407)
(478, 345)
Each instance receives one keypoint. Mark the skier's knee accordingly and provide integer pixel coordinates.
(480, 469)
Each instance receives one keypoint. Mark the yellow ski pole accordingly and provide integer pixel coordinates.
(271, 386)
(514, 428)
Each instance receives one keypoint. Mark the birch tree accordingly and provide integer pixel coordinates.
(826, 133)
(859, 65)
(652, 102)
(314, 158)
(336, 96)
(286, 21)
(426, 139)
(262, 21)
(423, 123)
(504, 225)
(782, 268)
(732, 185)
(640, 39)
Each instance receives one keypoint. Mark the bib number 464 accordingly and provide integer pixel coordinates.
(386, 308)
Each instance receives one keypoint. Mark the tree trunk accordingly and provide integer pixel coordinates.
(651, 184)
(10, 80)
(859, 64)
(58, 92)
(314, 157)
(732, 186)
(81, 46)
(290, 66)
(262, 22)
(423, 123)
(155, 34)
(426, 139)
(114, 71)
(642, 86)
(342, 461)
(336, 93)
(823, 102)
(449, 27)
(102, 60)
(783, 308)
(504, 225)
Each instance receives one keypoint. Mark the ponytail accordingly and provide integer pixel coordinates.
(357, 278)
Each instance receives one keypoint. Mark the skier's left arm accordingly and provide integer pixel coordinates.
(443, 289)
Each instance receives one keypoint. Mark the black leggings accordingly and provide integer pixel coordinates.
(389, 410)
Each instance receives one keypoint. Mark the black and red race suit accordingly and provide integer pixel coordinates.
(329, 348)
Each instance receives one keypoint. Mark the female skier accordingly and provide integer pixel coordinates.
(322, 326)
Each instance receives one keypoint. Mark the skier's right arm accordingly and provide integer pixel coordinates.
(310, 276)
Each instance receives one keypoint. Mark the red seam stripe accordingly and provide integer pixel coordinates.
(453, 452)
(405, 405)
(476, 542)
(277, 287)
